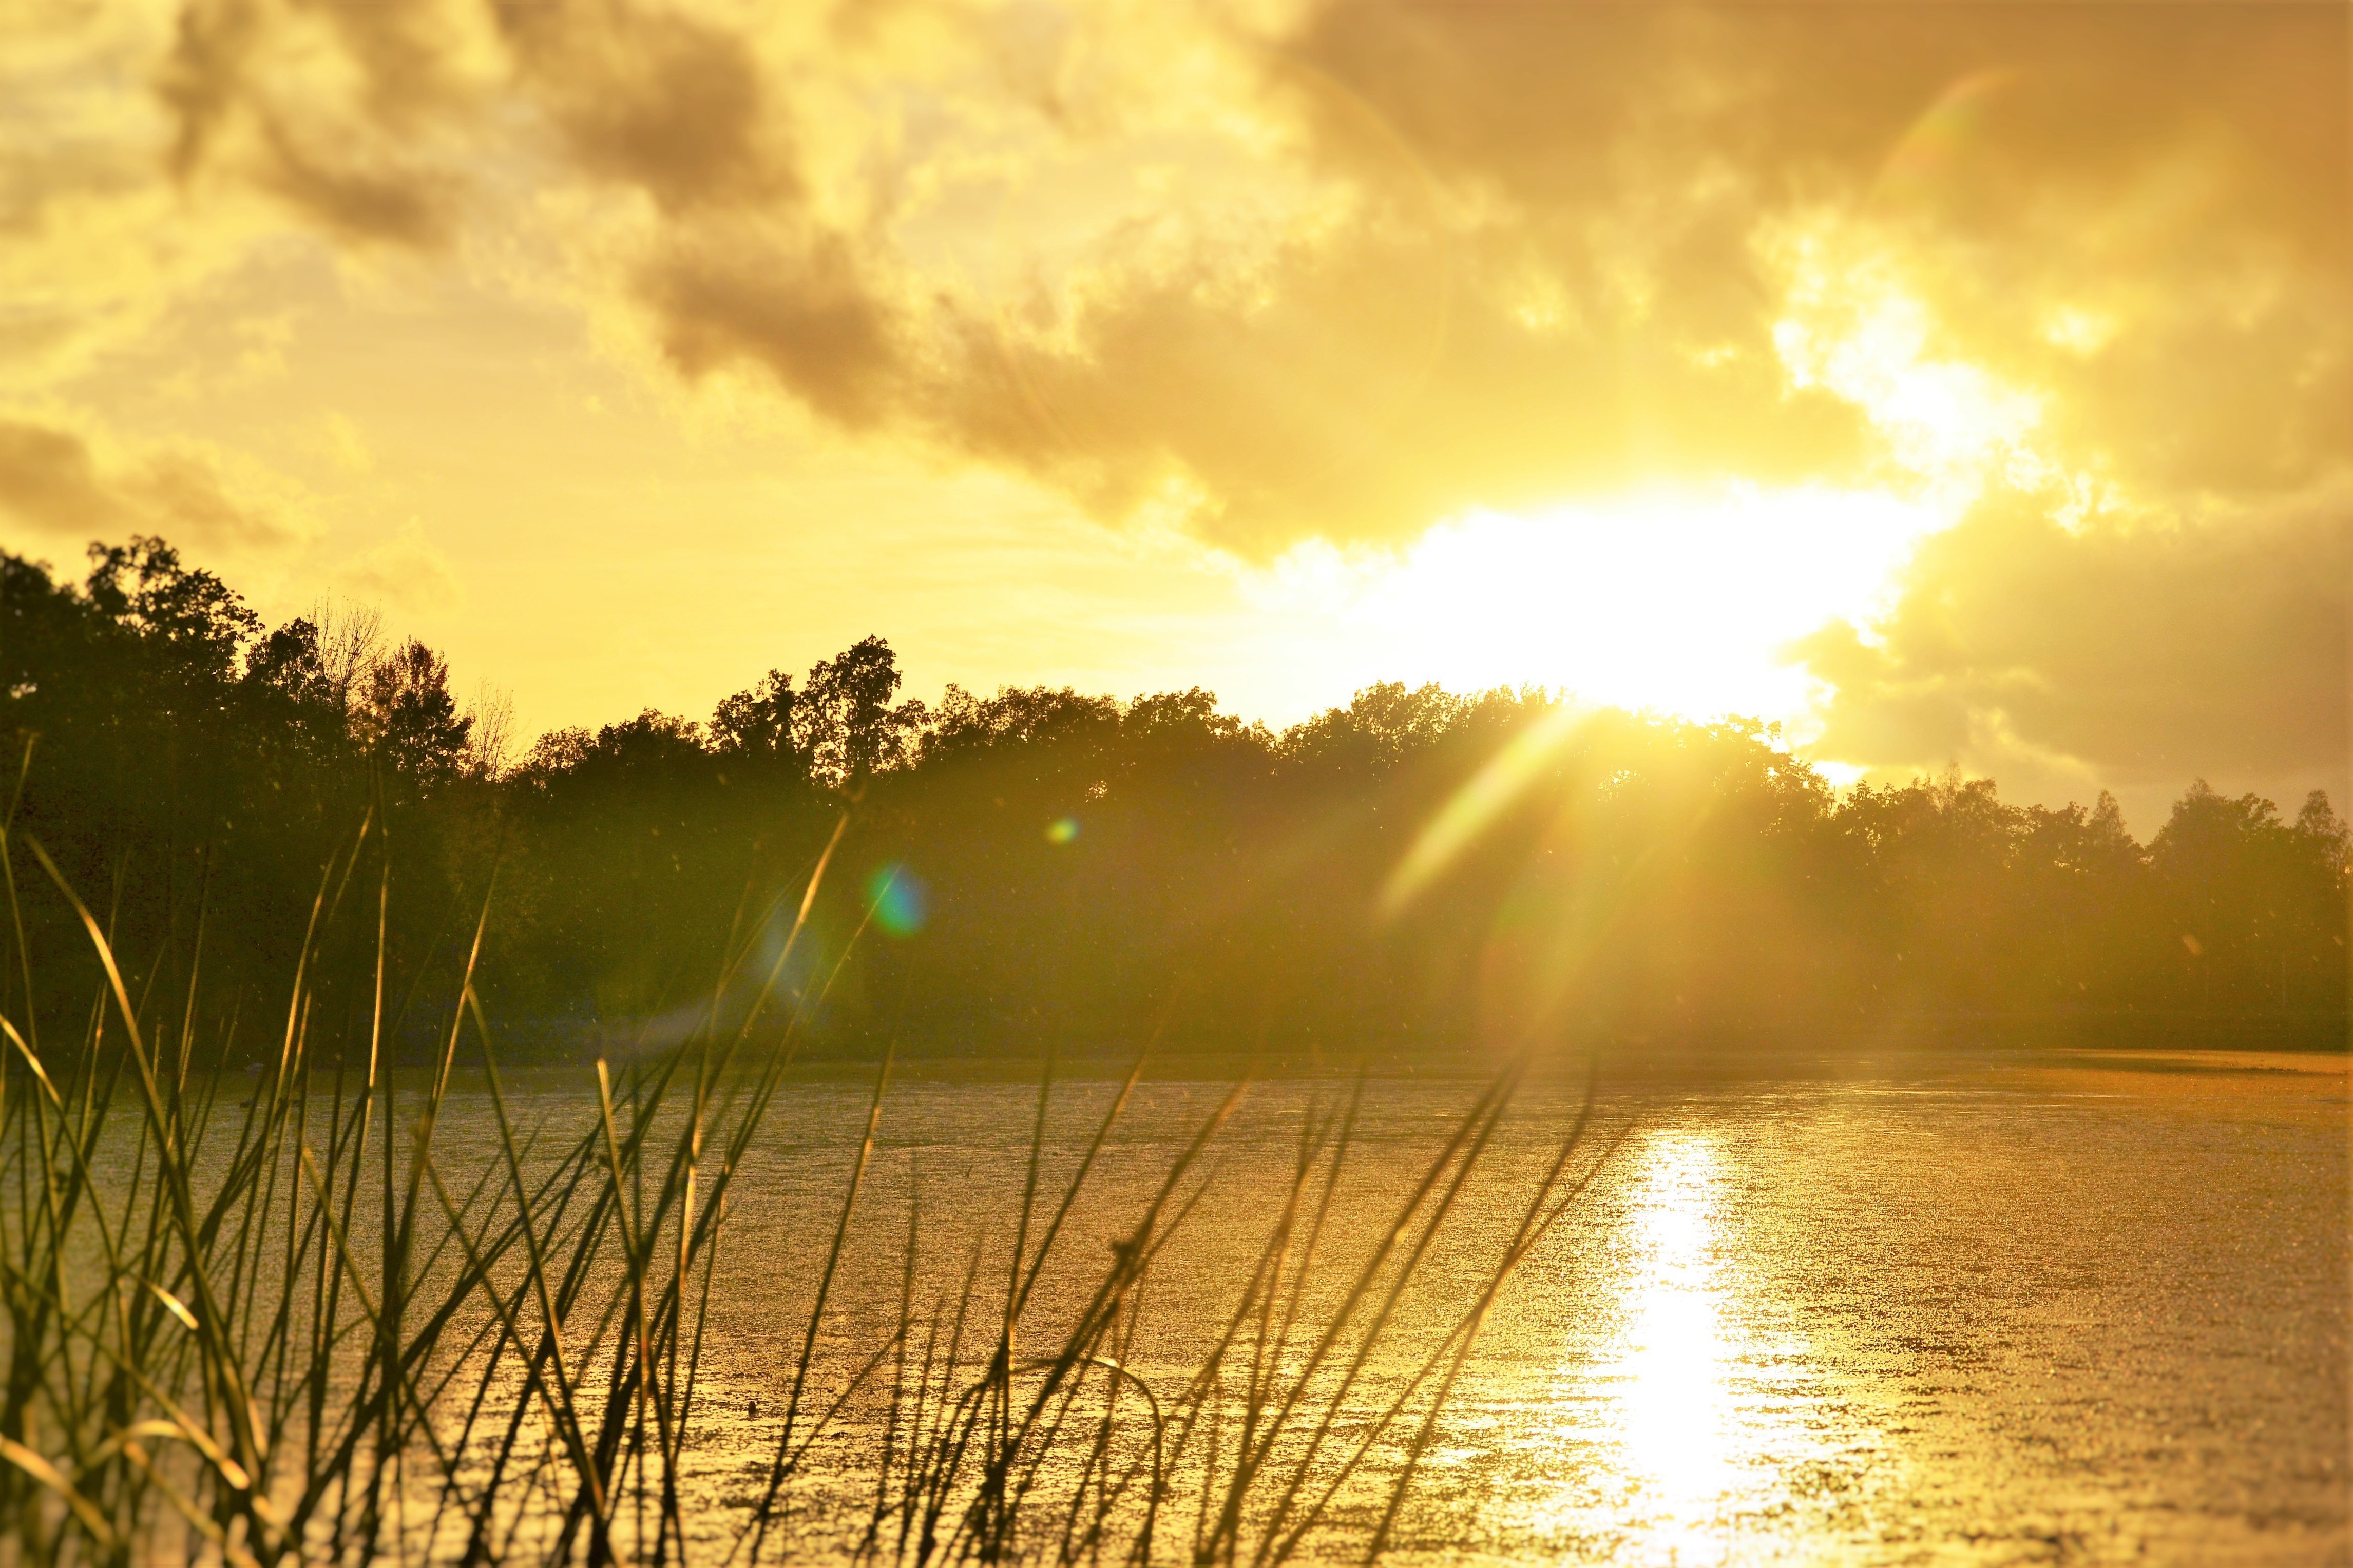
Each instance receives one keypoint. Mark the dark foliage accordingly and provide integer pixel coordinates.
(1045, 868)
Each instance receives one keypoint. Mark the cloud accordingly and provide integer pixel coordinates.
(343, 441)
(2172, 181)
(359, 116)
(677, 107)
(48, 481)
(409, 571)
(95, 244)
(58, 485)
(1446, 257)
(2132, 650)
(787, 300)
(1342, 269)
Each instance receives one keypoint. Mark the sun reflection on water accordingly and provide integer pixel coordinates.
(1676, 1400)
(1691, 1421)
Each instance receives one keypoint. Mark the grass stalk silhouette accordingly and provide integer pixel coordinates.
(303, 1325)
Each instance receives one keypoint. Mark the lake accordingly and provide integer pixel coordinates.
(2018, 1308)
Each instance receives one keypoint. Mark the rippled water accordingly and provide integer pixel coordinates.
(2021, 1310)
(2014, 1316)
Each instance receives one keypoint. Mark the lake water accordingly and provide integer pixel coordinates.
(2025, 1310)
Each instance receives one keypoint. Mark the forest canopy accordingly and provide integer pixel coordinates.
(1418, 870)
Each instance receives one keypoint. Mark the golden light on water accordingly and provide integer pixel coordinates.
(1697, 1424)
(1676, 1404)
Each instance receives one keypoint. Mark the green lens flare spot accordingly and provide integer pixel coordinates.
(900, 901)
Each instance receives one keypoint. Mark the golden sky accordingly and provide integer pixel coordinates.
(1959, 384)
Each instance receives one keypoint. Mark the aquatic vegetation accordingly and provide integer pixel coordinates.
(279, 1315)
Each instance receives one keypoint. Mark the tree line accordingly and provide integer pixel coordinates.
(1418, 870)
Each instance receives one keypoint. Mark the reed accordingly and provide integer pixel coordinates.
(305, 1325)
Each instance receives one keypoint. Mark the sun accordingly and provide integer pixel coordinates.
(1680, 600)
(1685, 597)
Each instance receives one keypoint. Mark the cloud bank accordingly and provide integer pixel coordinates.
(1345, 270)
(2136, 655)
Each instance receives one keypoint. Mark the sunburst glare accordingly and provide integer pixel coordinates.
(1676, 601)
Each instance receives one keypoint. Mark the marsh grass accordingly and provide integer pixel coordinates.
(304, 1323)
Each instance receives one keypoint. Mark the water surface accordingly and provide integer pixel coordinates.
(2027, 1308)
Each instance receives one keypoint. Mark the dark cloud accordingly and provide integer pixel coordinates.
(345, 161)
(2141, 652)
(1545, 249)
(426, 97)
(674, 107)
(403, 207)
(53, 487)
(788, 299)
(49, 481)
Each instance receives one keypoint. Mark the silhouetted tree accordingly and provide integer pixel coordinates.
(2249, 893)
(844, 721)
(411, 719)
(190, 621)
(756, 725)
(1092, 864)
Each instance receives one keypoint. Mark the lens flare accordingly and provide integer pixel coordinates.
(1924, 158)
(1473, 808)
(900, 900)
(1062, 830)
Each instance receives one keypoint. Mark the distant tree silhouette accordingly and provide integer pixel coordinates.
(843, 721)
(411, 719)
(755, 726)
(1097, 868)
(192, 626)
(2253, 896)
